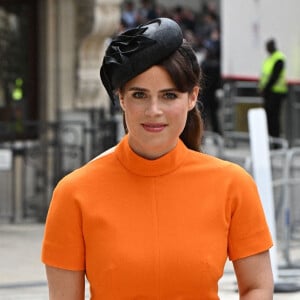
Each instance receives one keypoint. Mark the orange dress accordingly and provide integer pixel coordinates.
(159, 229)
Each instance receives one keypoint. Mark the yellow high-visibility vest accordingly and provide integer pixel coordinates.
(280, 85)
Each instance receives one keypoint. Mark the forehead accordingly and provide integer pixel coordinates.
(155, 77)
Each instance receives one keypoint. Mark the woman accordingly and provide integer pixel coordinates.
(154, 218)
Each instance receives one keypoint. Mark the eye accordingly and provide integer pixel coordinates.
(170, 95)
(138, 95)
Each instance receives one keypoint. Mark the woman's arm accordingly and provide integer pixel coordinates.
(65, 284)
(254, 276)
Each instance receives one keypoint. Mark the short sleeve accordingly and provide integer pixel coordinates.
(63, 243)
(248, 232)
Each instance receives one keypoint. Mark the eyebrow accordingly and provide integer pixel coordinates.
(134, 88)
(174, 89)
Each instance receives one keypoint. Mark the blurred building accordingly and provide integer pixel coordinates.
(54, 112)
(50, 94)
(54, 47)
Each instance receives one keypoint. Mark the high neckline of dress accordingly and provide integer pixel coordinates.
(149, 168)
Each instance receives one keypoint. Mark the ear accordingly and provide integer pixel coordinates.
(193, 97)
(121, 99)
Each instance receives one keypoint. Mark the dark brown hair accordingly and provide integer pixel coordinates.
(185, 72)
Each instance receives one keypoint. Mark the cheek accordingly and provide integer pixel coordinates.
(180, 111)
(133, 113)
(131, 109)
(179, 116)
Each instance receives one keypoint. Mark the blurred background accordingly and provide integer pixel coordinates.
(55, 114)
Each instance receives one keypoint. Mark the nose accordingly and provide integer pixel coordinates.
(153, 108)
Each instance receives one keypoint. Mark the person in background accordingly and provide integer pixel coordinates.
(154, 217)
(147, 11)
(212, 82)
(129, 15)
(273, 86)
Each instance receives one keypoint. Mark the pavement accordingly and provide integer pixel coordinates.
(22, 275)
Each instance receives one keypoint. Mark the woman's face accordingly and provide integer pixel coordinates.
(155, 112)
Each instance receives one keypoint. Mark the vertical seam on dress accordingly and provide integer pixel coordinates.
(156, 239)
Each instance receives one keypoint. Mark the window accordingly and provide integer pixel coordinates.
(18, 68)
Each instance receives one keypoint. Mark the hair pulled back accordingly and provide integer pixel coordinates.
(185, 72)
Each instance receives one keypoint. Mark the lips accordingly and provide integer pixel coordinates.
(154, 127)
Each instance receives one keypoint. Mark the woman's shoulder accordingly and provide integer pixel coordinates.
(223, 174)
(93, 168)
(213, 164)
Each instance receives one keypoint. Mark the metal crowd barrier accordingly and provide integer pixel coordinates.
(30, 168)
(291, 204)
(285, 169)
(6, 183)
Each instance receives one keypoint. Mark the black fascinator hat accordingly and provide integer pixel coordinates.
(135, 50)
